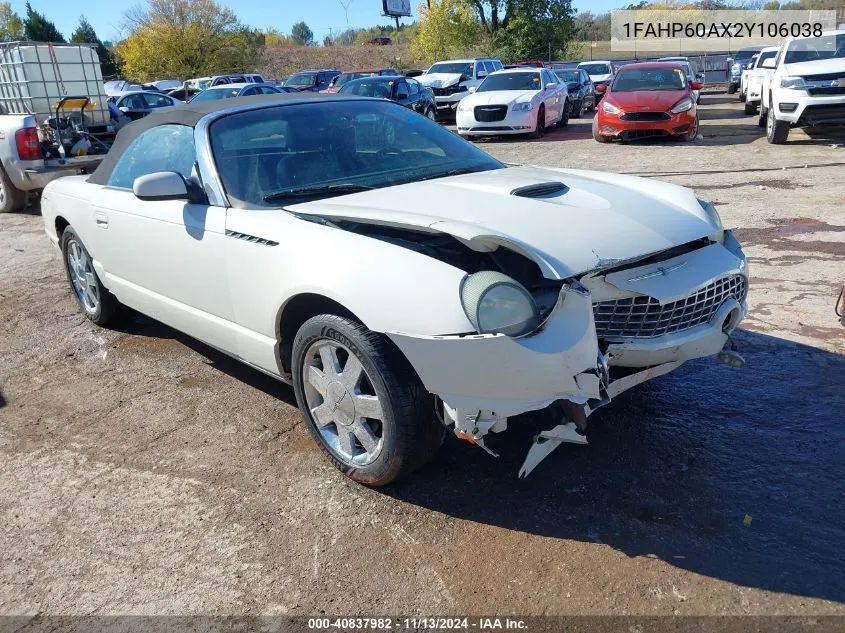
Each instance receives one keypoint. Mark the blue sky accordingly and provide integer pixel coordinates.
(321, 15)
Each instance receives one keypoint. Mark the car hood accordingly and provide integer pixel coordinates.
(817, 67)
(439, 80)
(651, 100)
(600, 219)
(597, 79)
(500, 97)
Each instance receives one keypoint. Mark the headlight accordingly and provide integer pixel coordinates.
(736, 68)
(609, 108)
(525, 106)
(497, 304)
(682, 106)
(794, 83)
(463, 106)
(713, 216)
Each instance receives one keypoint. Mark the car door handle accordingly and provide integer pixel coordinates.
(102, 220)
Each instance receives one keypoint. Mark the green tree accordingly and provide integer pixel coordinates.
(185, 38)
(38, 28)
(11, 25)
(445, 28)
(301, 34)
(539, 29)
(85, 34)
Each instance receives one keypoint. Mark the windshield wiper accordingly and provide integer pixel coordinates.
(451, 172)
(326, 190)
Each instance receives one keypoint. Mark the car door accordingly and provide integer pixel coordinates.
(252, 90)
(551, 97)
(134, 106)
(155, 101)
(164, 258)
(401, 94)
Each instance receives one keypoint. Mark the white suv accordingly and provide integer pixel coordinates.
(451, 80)
(807, 86)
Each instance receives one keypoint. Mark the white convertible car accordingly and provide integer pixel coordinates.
(403, 280)
(519, 101)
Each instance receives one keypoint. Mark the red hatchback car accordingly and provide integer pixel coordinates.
(649, 99)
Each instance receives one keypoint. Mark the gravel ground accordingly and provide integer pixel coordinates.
(146, 473)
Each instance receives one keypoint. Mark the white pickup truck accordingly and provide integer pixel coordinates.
(807, 85)
(753, 78)
(54, 117)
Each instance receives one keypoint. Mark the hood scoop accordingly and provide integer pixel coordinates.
(540, 189)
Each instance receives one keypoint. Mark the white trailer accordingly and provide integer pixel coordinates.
(54, 116)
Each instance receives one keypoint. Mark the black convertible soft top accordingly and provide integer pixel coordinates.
(188, 114)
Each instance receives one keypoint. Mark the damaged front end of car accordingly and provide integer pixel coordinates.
(605, 331)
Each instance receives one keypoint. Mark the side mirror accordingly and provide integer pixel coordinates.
(473, 88)
(160, 185)
(551, 85)
(124, 109)
(696, 85)
(601, 87)
(481, 74)
(769, 63)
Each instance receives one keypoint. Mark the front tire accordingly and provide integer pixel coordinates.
(692, 134)
(361, 401)
(99, 305)
(731, 89)
(540, 130)
(761, 119)
(750, 108)
(742, 97)
(776, 131)
(600, 138)
(431, 114)
(11, 198)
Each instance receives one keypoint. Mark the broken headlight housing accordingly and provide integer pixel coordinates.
(713, 215)
(497, 304)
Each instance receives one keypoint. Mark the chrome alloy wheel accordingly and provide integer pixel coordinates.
(342, 402)
(82, 277)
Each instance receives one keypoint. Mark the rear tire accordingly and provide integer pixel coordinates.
(564, 117)
(99, 305)
(540, 130)
(599, 137)
(407, 435)
(11, 198)
(761, 120)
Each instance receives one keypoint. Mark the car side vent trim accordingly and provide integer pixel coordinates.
(540, 189)
(251, 238)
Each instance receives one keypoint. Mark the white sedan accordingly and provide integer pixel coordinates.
(403, 280)
(518, 101)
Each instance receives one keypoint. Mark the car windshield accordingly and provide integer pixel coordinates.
(368, 88)
(216, 93)
(202, 84)
(824, 47)
(302, 79)
(763, 57)
(511, 81)
(634, 80)
(280, 155)
(743, 55)
(596, 69)
(343, 78)
(452, 68)
(568, 76)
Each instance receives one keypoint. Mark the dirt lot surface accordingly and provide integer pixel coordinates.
(146, 473)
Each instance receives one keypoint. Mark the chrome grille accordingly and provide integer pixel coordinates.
(644, 317)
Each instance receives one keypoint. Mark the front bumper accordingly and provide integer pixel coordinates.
(675, 125)
(513, 123)
(809, 109)
(509, 376)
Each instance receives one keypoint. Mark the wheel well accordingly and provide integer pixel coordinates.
(296, 312)
(61, 225)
